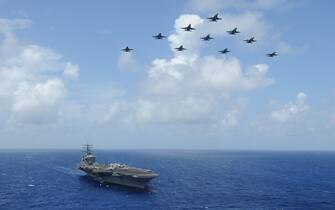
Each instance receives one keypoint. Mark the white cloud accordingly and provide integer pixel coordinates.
(9, 42)
(36, 58)
(126, 62)
(37, 103)
(209, 73)
(116, 112)
(231, 118)
(291, 110)
(192, 88)
(174, 110)
(71, 71)
(30, 84)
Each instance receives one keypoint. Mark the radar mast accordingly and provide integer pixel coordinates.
(88, 149)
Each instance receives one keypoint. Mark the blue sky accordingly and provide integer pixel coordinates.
(64, 81)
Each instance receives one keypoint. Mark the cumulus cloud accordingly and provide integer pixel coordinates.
(203, 74)
(71, 71)
(7, 28)
(174, 110)
(37, 103)
(30, 90)
(231, 118)
(116, 112)
(193, 89)
(126, 62)
(291, 110)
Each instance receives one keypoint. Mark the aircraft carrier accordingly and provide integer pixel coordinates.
(114, 173)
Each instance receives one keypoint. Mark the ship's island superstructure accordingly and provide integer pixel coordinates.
(114, 173)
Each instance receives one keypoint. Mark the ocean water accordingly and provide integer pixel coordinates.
(48, 179)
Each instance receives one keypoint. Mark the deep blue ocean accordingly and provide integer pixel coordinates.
(48, 179)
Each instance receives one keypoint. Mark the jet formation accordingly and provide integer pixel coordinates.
(224, 51)
(215, 18)
(159, 36)
(272, 54)
(208, 37)
(251, 40)
(188, 28)
(180, 48)
(233, 32)
(126, 49)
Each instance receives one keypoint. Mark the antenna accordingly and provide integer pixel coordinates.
(88, 149)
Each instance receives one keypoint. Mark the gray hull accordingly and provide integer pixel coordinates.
(131, 180)
(120, 180)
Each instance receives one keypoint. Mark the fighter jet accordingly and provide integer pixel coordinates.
(159, 36)
(224, 51)
(127, 49)
(207, 38)
(251, 40)
(272, 54)
(214, 18)
(233, 32)
(180, 48)
(188, 28)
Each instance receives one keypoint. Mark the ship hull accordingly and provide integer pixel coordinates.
(103, 178)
